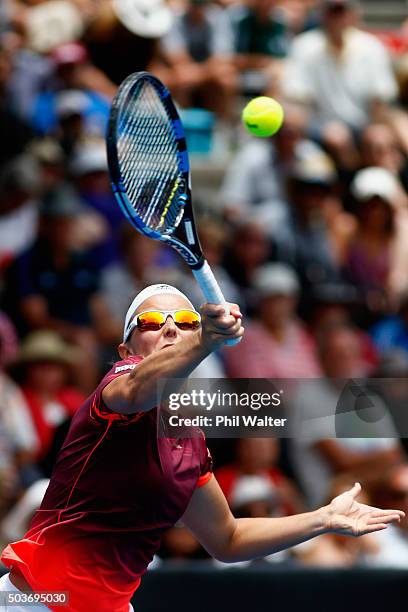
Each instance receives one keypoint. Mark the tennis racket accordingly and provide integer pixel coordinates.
(150, 173)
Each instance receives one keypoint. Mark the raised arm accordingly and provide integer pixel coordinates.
(230, 540)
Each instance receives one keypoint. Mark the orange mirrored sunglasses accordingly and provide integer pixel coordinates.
(153, 320)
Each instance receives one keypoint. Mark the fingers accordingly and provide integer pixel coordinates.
(218, 310)
(377, 512)
(388, 518)
(373, 528)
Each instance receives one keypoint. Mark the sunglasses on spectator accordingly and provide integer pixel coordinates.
(153, 320)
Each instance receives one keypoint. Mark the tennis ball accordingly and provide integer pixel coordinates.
(263, 116)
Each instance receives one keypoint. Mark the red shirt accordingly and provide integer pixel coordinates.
(116, 487)
(67, 400)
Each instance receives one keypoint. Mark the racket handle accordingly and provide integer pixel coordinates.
(212, 292)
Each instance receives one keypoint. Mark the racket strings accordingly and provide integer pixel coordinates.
(148, 159)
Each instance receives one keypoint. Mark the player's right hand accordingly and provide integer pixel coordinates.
(218, 327)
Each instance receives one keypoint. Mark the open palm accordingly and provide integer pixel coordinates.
(347, 516)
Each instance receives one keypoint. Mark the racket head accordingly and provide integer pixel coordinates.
(147, 157)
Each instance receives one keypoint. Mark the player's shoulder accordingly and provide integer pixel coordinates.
(123, 366)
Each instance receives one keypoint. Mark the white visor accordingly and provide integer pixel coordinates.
(144, 295)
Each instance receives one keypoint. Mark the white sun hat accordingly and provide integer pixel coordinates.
(53, 23)
(375, 181)
(146, 18)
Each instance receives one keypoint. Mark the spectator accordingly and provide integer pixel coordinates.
(377, 257)
(89, 172)
(314, 238)
(249, 249)
(15, 131)
(214, 240)
(334, 305)
(71, 104)
(256, 179)
(262, 41)
(326, 415)
(257, 458)
(47, 276)
(344, 73)
(379, 147)
(19, 185)
(44, 362)
(198, 54)
(49, 156)
(141, 265)
(122, 37)
(276, 345)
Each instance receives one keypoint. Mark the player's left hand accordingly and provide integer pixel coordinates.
(345, 515)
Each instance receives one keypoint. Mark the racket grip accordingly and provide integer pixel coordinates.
(212, 292)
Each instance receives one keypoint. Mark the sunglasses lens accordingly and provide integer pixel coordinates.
(150, 321)
(186, 319)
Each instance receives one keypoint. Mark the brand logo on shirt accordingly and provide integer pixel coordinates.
(129, 366)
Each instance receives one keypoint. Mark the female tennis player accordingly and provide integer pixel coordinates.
(116, 486)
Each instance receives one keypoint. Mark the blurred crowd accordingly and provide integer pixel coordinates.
(306, 231)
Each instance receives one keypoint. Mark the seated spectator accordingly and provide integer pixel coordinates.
(262, 39)
(214, 240)
(379, 148)
(257, 458)
(276, 344)
(249, 249)
(334, 305)
(49, 156)
(198, 56)
(342, 72)
(313, 240)
(69, 95)
(256, 179)
(326, 415)
(122, 37)
(141, 265)
(52, 286)
(15, 131)
(89, 172)
(393, 543)
(19, 185)
(377, 255)
(44, 363)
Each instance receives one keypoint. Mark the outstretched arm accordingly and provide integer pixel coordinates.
(228, 539)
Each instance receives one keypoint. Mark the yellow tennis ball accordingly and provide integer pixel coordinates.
(263, 116)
